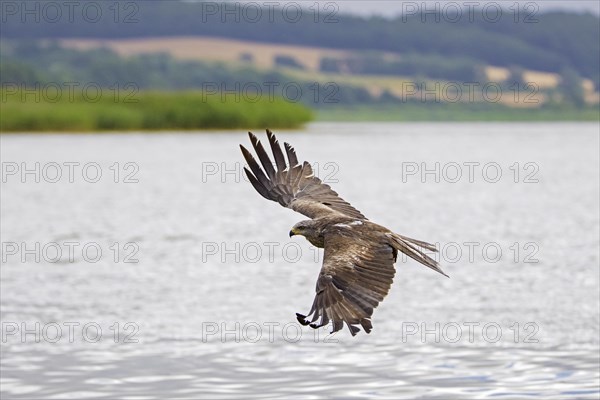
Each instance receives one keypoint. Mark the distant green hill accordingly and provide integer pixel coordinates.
(31, 64)
(551, 42)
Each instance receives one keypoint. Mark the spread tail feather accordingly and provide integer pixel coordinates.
(412, 248)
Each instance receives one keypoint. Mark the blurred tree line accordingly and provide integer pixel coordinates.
(31, 64)
(553, 41)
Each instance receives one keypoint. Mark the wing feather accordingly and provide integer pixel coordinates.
(258, 173)
(276, 149)
(262, 155)
(291, 154)
(356, 275)
(293, 186)
(260, 188)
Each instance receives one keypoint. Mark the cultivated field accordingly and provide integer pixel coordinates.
(262, 56)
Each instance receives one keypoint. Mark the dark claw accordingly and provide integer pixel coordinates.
(302, 319)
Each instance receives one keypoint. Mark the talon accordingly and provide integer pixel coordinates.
(302, 319)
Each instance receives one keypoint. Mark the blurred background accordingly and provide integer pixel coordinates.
(139, 263)
(334, 61)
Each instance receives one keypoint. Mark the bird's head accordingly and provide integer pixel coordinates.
(305, 228)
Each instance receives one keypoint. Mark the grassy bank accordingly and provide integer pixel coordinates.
(455, 112)
(111, 110)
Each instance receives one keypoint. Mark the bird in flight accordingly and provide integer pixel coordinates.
(359, 255)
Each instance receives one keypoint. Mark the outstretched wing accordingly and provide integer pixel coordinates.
(356, 275)
(292, 185)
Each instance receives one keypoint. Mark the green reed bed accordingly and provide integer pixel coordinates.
(109, 110)
(456, 112)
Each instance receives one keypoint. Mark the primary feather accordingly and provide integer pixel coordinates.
(358, 263)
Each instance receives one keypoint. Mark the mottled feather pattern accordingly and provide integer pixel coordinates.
(358, 263)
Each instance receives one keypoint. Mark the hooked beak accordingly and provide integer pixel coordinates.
(292, 233)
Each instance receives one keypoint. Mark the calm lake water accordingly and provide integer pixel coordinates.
(146, 267)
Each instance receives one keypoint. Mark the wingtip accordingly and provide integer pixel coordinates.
(366, 324)
(271, 136)
(438, 269)
(353, 329)
(288, 147)
(245, 152)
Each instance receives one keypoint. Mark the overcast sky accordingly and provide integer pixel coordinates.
(394, 7)
(390, 8)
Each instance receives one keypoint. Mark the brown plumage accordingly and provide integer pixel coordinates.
(358, 263)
